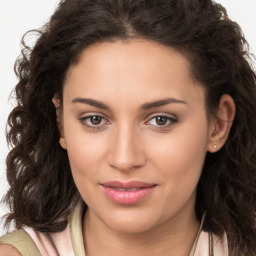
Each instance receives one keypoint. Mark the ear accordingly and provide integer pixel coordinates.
(220, 124)
(59, 120)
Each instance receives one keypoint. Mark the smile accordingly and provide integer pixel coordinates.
(127, 193)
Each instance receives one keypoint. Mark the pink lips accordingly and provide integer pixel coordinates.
(127, 193)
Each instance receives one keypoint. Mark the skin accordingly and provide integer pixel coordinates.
(9, 250)
(128, 144)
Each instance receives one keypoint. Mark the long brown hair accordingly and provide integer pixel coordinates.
(42, 192)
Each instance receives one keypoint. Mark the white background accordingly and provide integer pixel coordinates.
(19, 16)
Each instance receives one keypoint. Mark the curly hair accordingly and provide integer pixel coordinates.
(42, 191)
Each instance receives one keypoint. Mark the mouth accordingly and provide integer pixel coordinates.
(126, 193)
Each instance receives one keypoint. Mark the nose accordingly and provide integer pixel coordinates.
(126, 150)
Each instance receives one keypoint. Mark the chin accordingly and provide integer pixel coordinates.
(131, 228)
(129, 223)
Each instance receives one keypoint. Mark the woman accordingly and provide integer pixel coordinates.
(133, 133)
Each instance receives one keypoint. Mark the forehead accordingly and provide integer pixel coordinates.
(136, 68)
(138, 52)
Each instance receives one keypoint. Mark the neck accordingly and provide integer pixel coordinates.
(175, 237)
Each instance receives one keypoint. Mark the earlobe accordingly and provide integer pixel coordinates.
(220, 125)
(56, 102)
(63, 143)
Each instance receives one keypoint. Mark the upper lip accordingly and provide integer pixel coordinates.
(127, 185)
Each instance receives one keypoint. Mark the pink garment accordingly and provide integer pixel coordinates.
(52, 245)
(220, 245)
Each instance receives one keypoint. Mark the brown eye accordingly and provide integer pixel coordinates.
(161, 120)
(95, 120)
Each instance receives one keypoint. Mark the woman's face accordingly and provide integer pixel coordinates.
(136, 132)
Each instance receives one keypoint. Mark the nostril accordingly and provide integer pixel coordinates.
(126, 162)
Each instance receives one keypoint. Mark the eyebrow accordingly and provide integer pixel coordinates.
(159, 103)
(91, 102)
(145, 106)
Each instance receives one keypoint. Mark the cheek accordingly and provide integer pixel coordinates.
(85, 151)
(85, 156)
(180, 155)
(179, 161)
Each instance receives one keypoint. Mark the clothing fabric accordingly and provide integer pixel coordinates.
(70, 241)
(21, 240)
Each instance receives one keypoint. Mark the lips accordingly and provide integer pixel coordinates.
(127, 192)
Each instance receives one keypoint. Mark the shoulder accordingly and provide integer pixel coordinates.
(8, 250)
(18, 243)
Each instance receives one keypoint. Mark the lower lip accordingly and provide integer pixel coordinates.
(127, 197)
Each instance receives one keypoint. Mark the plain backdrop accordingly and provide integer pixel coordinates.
(19, 16)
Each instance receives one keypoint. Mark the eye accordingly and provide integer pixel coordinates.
(162, 121)
(93, 121)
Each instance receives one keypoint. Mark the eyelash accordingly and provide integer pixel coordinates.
(84, 121)
(170, 121)
(91, 126)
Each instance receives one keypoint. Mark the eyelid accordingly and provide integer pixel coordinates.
(156, 114)
(87, 116)
(172, 118)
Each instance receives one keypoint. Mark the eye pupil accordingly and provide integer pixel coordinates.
(96, 120)
(161, 120)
